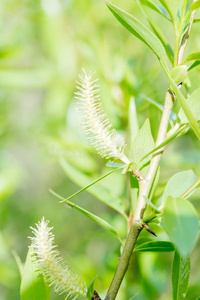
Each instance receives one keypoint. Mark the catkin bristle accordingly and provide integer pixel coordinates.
(51, 265)
(107, 141)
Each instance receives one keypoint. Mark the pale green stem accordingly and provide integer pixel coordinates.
(123, 263)
(145, 185)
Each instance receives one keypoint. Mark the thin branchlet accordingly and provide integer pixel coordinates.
(51, 265)
(104, 138)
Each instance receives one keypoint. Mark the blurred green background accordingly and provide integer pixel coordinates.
(43, 47)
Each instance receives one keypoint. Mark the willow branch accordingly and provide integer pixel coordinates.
(144, 188)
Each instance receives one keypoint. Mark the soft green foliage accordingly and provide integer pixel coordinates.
(178, 184)
(91, 216)
(89, 185)
(180, 220)
(142, 144)
(155, 246)
(140, 31)
(184, 104)
(179, 74)
(44, 45)
(193, 101)
(98, 190)
(90, 291)
(193, 56)
(33, 286)
(172, 7)
(180, 276)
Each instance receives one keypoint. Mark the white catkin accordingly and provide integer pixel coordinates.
(104, 138)
(51, 265)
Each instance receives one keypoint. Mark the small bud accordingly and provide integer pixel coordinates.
(148, 228)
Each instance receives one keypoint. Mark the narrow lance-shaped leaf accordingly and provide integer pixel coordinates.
(180, 276)
(193, 56)
(194, 104)
(91, 184)
(98, 190)
(156, 8)
(140, 31)
(155, 246)
(183, 102)
(195, 64)
(90, 290)
(91, 216)
(156, 28)
(172, 7)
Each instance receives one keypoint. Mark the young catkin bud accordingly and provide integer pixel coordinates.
(51, 265)
(107, 141)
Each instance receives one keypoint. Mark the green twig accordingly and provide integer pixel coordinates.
(124, 260)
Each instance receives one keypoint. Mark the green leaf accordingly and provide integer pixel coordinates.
(186, 108)
(98, 190)
(179, 183)
(91, 184)
(179, 73)
(142, 144)
(32, 284)
(179, 131)
(194, 104)
(180, 221)
(90, 290)
(172, 7)
(180, 276)
(195, 64)
(195, 5)
(155, 246)
(150, 100)
(156, 8)
(88, 214)
(156, 28)
(193, 56)
(140, 31)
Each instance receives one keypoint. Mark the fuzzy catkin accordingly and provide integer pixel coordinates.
(51, 265)
(107, 141)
